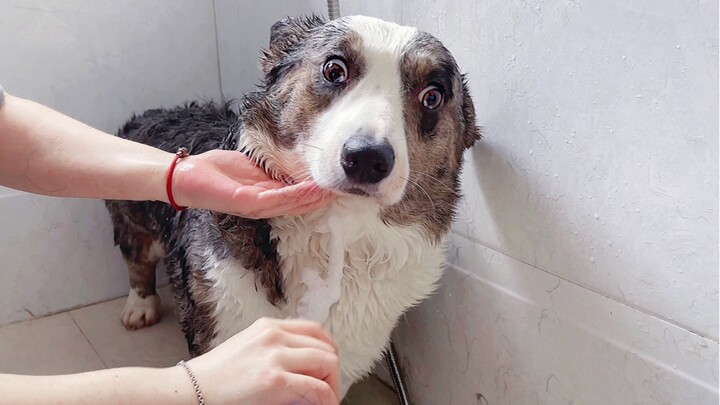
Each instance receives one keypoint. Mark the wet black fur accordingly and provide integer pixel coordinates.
(200, 127)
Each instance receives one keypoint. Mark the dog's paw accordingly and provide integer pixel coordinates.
(140, 312)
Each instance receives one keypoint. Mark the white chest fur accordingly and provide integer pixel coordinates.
(386, 269)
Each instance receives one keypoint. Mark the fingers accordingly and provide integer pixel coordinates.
(228, 181)
(233, 164)
(298, 341)
(309, 207)
(307, 328)
(291, 197)
(297, 191)
(307, 390)
(270, 185)
(312, 362)
(307, 353)
(296, 326)
(274, 193)
(289, 200)
(291, 208)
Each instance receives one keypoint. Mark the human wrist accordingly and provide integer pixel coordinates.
(171, 183)
(175, 385)
(155, 170)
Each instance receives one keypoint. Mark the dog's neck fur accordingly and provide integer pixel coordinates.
(253, 240)
(387, 268)
(251, 134)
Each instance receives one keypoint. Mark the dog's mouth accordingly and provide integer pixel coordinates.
(345, 187)
(371, 192)
(357, 191)
(338, 180)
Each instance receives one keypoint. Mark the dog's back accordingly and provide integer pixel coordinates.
(143, 228)
(196, 126)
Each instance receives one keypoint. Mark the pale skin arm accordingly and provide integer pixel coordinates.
(273, 362)
(114, 386)
(45, 152)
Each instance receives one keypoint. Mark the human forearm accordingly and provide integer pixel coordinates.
(114, 386)
(45, 152)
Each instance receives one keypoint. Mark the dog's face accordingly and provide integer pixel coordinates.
(363, 107)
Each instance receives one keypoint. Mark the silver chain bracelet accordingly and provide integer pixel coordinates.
(195, 384)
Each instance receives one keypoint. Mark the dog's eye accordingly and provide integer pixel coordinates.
(335, 71)
(430, 97)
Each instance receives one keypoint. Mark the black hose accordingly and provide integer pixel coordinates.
(396, 375)
(333, 9)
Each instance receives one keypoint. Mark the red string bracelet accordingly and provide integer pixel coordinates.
(181, 153)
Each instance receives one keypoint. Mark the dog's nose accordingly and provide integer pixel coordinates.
(366, 161)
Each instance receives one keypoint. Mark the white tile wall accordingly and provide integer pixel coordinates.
(244, 28)
(500, 331)
(56, 253)
(98, 62)
(587, 261)
(601, 153)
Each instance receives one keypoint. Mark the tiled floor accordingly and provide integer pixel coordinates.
(92, 338)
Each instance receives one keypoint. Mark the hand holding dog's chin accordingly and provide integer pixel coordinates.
(228, 181)
(273, 362)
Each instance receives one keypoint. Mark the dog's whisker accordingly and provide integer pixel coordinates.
(311, 146)
(432, 203)
(434, 178)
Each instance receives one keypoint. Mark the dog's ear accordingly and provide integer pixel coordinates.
(285, 35)
(472, 131)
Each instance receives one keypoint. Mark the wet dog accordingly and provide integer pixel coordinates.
(379, 114)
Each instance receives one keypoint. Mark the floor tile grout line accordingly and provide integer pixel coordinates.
(87, 339)
(73, 308)
(592, 290)
(60, 311)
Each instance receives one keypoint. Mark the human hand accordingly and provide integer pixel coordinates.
(229, 182)
(272, 362)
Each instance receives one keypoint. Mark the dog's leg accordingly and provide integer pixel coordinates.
(142, 307)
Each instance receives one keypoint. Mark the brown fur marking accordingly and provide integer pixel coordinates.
(435, 151)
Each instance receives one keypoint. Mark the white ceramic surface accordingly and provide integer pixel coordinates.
(98, 62)
(502, 332)
(595, 190)
(244, 28)
(600, 157)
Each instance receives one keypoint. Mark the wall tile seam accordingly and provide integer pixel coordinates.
(217, 53)
(625, 346)
(632, 306)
